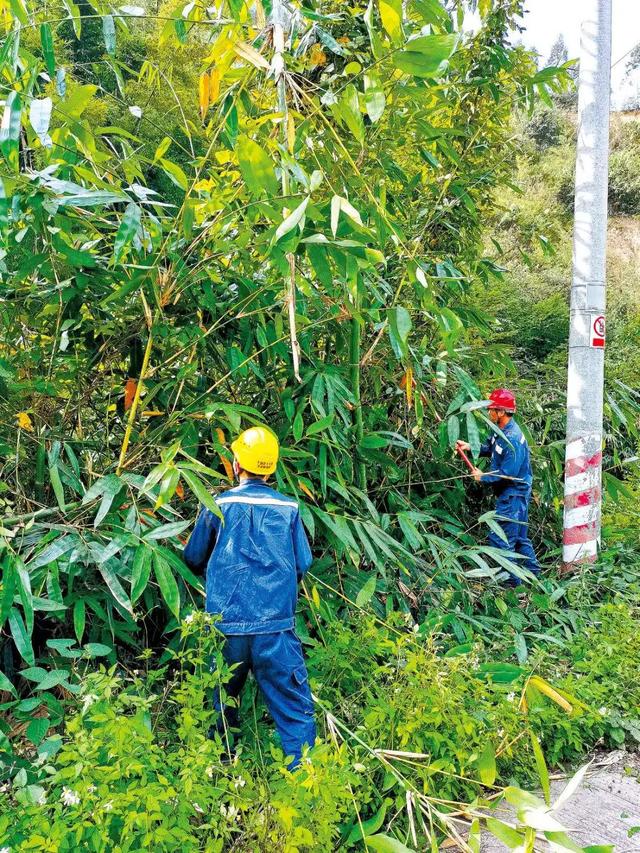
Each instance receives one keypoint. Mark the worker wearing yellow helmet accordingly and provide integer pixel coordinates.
(254, 557)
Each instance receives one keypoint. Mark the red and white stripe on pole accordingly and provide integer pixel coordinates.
(582, 500)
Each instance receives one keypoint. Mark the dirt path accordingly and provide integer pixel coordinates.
(604, 809)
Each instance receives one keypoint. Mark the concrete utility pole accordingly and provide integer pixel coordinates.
(583, 458)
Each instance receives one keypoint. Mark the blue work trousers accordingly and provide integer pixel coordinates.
(278, 666)
(512, 514)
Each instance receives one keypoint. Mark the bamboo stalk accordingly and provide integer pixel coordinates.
(134, 405)
(354, 359)
(39, 513)
(278, 69)
(40, 466)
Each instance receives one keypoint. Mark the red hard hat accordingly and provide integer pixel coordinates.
(502, 399)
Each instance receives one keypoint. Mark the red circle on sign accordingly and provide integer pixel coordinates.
(599, 326)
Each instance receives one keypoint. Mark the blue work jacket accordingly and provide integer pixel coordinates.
(254, 557)
(510, 468)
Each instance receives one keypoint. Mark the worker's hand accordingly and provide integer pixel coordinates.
(463, 445)
(476, 474)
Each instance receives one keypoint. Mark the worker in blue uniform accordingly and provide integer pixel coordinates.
(255, 555)
(511, 478)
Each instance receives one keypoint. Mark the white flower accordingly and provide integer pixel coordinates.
(230, 811)
(602, 711)
(198, 808)
(69, 797)
(511, 697)
(42, 799)
(5, 850)
(107, 807)
(209, 771)
(88, 701)
(91, 789)
(239, 782)
(500, 732)
(188, 619)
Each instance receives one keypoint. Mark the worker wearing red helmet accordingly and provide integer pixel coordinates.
(510, 477)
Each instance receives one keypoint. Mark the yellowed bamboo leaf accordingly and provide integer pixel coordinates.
(214, 84)
(204, 94)
(548, 690)
(291, 133)
(248, 53)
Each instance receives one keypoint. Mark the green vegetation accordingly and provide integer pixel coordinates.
(356, 256)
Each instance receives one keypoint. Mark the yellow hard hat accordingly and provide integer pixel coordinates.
(256, 450)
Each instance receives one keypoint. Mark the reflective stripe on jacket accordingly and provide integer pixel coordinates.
(254, 558)
(510, 467)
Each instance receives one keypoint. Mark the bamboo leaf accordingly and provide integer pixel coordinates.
(367, 592)
(391, 17)
(109, 34)
(348, 109)
(425, 56)
(6, 686)
(503, 832)
(572, 786)
(115, 587)
(214, 84)
(473, 435)
(26, 595)
(203, 93)
(294, 218)
(200, 491)
(319, 426)
(372, 824)
(74, 14)
(544, 687)
(167, 583)
(127, 230)
(166, 531)
(46, 41)
(335, 214)
(10, 129)
(486, 764)
(140, 571)
(256, 167)
(54, 476)
(79, 618)
(175, 173)
(249, 54)
(21, 637)
(382, 843)
(374, 98)
(541, 766)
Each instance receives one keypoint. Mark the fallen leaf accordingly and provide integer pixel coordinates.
(129, 393)
(24, 421)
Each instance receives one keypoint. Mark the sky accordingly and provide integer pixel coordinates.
(546, 19)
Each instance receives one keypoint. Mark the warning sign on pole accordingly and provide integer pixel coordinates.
(598, 330)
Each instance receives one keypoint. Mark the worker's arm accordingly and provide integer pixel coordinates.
(201, 542)
(486, 448)
(301, 547)
(505, 465)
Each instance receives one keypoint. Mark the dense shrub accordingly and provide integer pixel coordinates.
(624, 183)
(545, 128)
(134, 769)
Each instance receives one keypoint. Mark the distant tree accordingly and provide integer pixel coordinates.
(633, 63)
(545, 128)
(558, 56)
(559, 52)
